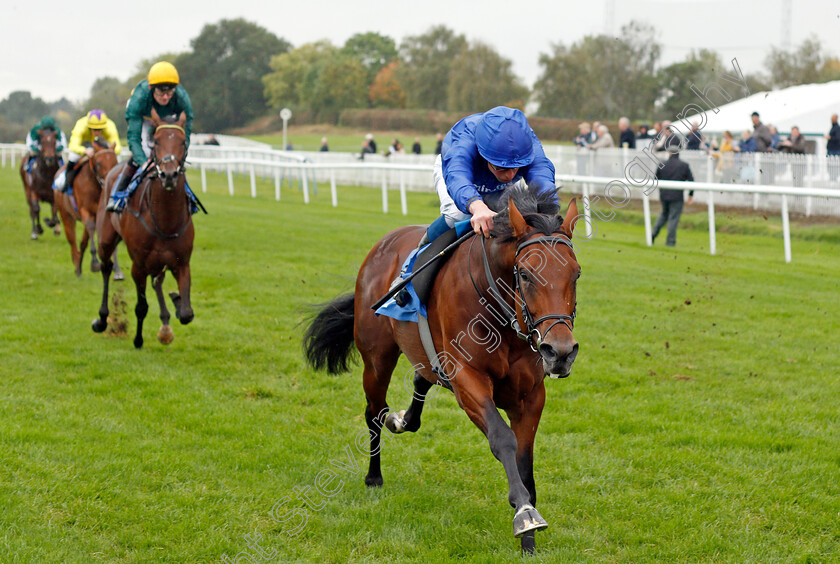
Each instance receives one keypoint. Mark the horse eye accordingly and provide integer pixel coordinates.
(524, 276)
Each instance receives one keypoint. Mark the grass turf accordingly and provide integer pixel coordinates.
(700, 423)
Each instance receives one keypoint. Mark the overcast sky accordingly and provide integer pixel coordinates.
(56, 48)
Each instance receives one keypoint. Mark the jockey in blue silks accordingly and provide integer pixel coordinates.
(482, 156)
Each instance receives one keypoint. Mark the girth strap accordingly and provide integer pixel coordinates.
(429, 347)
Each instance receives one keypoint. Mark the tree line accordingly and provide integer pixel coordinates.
(237, 71)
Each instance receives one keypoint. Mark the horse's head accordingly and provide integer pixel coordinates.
(170, 149)
(537, 247)
(48, 142)
(104, 159)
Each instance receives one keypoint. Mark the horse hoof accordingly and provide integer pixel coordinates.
(373, 481)
(165, 335)
(99, 325)
(395, 422)
(39, 229)
(186, 317)
(34, 236)
(527, 519)
(119, 276)
(96, 267)
(138, 342)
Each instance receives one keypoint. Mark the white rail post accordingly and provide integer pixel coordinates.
(758, 178)
(712, 239)
(3, 152)
(809, 163)
(333, 191)
(253, 182)
(277, 183)
(403, 202)
(646, 208)
(587, 213)
(786, 227)
(305, 180)
(203, 178)
(230, 179)
(384, 191)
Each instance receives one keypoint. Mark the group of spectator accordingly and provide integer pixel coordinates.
(395, 148)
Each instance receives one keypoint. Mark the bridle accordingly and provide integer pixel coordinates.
(532, 334)
(169, 178)
(92, 161)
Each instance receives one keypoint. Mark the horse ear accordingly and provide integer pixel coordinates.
(517, 222)
(571, 217)
(182, 119)
(155, 117)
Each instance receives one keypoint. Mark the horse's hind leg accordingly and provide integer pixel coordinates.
(108, 240)
(118, 275)
(34, 213)
(99, 325)
(70, 232)
(165, 334)
(90, 234)
(377, 376)
(183, 307)
(409, 420)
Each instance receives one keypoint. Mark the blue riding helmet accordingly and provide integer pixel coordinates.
(504, 138)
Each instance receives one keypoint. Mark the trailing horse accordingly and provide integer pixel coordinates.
(38, 183)
(83, 204)
(501, 312)
(157, 228)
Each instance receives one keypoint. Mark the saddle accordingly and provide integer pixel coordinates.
(424, 281)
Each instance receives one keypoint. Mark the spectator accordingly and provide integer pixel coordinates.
(211, 140)
(596, 130)
(395, 148)
(366, 150)
(672, 200)
(763, 139)
(774, 137)
(666, 137)
(604, 140)
(694, 139)
(833, 148)
(371, 142)
(657, 128)
(324, 147)
(416, 149)
(627, 138)
(726, 158)
(748, 143)
(643, 132)
(585, 138)
(439, 145)
(795, 144)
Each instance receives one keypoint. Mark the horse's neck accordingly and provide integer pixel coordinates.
(169, 207)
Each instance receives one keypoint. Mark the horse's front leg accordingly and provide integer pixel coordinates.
(474, 393)
(165, 334)
(70, 232)
(524, 420)
(181, 301)
(142, 307)
(99, 325)
(34, 213)
(118, 275)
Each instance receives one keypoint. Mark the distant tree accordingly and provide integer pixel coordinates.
(110, 95)
(282, 86)
(802, 66)
(20, 107)
(224, 71)
(480, 79)
(371, 49)
(426, 62)
(334, 84)
(830, 70)
(675, 81)
(601, 77)
(386, 92)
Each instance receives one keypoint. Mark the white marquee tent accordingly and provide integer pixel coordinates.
(808, 106)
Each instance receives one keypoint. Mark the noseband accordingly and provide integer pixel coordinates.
(531, 335)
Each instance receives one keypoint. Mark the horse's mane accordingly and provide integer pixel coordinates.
(539, 209)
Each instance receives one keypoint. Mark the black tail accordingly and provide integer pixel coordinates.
(328, 342)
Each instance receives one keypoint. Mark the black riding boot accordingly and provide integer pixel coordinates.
(70, 176)
(118, 196)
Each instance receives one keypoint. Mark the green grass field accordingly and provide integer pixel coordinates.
(700, 423)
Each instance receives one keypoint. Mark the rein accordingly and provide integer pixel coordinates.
(531, 335)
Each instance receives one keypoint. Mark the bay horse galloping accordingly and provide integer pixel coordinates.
(38, 184)
(496, 346)
(157, 228)
(84, 203)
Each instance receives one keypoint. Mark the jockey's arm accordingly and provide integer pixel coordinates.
(77, 137)
(112, 136)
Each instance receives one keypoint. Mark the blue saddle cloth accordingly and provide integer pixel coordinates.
(414, 305)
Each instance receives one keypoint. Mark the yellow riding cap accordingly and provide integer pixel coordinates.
(163, 73)
(96, 119)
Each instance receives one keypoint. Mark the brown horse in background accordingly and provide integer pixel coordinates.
(157, 228)
(84, 203)
(495, 347)
(38, 184)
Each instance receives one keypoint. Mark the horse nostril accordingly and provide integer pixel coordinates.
(547, 352)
